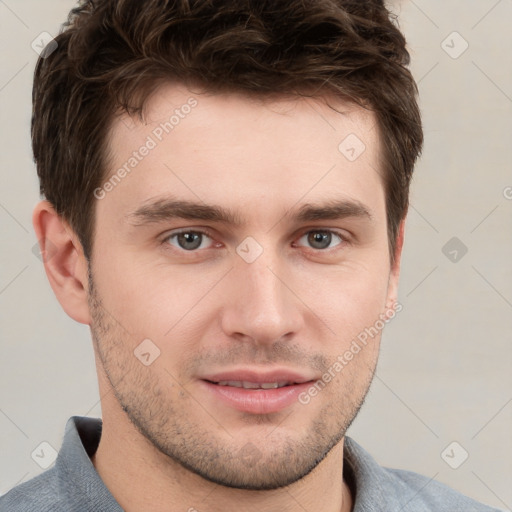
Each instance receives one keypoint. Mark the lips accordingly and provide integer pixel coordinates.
(256, 392)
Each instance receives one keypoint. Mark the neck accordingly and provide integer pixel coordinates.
(142, 473)
(139, 476)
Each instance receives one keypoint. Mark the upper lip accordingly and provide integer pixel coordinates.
(259, 376)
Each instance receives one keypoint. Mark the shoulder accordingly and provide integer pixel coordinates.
(425, 494)
(379, 488)
(72, 484)
(41, 494)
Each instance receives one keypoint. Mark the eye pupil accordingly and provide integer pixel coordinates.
(189, 241)
(319, 239)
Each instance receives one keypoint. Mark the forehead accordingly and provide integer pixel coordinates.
(256, 155)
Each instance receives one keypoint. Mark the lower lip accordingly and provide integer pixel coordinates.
(257, 401)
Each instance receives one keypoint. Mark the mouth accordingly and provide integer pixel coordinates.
(253, 385)
(256, 392)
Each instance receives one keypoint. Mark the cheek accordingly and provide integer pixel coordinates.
(348, 298)
(158, 302)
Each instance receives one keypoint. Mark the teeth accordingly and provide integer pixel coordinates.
(232, 383)
(250, 385)
(253, 385)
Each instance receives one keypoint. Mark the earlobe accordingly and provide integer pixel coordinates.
(64, 261)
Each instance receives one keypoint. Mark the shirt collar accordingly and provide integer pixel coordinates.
(373, 488)
(78, 479)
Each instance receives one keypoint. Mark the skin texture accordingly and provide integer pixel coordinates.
(168, 442)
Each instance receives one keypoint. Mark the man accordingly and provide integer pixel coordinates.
(225, 190)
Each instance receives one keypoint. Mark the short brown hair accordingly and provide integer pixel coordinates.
(112, 54)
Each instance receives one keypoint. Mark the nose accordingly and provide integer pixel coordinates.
(261, 307)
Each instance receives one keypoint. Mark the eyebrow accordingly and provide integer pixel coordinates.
(161, 210)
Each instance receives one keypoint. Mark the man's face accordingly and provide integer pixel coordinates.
(274, 291)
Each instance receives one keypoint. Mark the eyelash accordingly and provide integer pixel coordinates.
(343, 238)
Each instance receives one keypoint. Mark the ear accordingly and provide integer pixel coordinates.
(64, 261)
(395, 268)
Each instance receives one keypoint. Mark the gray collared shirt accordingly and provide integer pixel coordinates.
(73, 485)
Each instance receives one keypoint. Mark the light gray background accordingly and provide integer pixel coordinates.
(445, 372)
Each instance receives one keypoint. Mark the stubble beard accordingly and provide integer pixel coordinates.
(161, 412)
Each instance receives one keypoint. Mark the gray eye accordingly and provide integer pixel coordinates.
(188, 240)
(319, 239)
